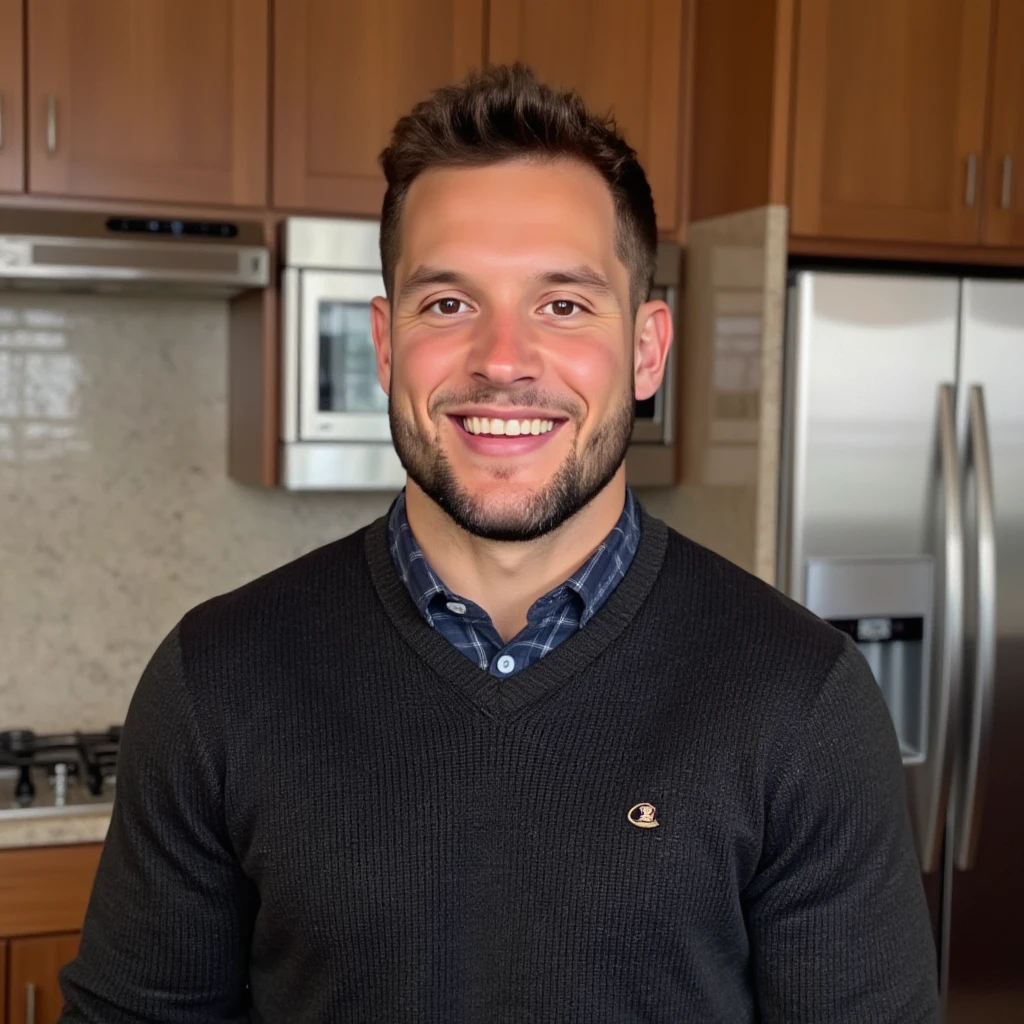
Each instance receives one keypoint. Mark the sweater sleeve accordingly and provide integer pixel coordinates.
(838, 922)
(166, 934)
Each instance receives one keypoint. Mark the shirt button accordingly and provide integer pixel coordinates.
(506, 663)
(457, 607)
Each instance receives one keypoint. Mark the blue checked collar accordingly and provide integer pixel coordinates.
(590, 585)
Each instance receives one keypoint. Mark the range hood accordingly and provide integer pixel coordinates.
(98, 252)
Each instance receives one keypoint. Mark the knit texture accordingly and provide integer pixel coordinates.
(325, 812)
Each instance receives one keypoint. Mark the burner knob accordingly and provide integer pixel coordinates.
(60, 785)
(19, 742)
(25, 791)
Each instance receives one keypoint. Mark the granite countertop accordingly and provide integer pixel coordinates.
(55, 829)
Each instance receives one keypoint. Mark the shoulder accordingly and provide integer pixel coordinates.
(767, 671)
(748, 632)
(324, 586)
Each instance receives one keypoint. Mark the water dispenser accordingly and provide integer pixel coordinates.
(885, 605)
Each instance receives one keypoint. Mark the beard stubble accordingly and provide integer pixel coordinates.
(581, 477)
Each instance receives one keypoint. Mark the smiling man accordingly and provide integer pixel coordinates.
(517, 752)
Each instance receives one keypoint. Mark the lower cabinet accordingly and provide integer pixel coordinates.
(44, 892)
(33, 995)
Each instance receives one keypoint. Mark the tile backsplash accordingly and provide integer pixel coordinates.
(116, 512)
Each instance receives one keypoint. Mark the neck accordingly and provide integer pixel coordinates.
(506, 577)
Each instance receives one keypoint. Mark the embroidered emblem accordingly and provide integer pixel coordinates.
(645, 818)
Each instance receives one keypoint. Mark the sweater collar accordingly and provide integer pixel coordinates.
(591, 583)
(503, 698)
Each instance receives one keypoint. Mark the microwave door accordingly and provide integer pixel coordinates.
(340, 397)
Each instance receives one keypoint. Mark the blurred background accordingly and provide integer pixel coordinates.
(188, 202)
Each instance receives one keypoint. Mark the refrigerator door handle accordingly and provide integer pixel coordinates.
(932, 779)
(977, 723)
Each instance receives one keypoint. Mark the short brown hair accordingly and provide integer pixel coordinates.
(503, 113)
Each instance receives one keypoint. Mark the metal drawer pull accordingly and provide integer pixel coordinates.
(1007, 194)
(51, 124)
(972, 180)
(30, 1003)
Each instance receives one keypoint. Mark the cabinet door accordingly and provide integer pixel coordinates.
(12, 159)
(343, 74)
(1004, 220)
(32, 978)
(626, 57)
(889, 119)
(3, 980)
(164, 100)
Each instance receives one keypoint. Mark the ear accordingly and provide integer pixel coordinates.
(380, 326)
(651, 342)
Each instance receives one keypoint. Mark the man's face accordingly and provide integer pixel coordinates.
(508, 352)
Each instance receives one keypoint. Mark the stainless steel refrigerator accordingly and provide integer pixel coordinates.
(902, 523)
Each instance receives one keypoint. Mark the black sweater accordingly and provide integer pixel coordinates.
(325, 812)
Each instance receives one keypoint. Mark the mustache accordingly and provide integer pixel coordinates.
(520, 398)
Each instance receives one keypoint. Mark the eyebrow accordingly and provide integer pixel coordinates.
(581, 275)
(425, 276)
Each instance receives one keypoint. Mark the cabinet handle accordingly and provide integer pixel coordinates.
(30, 1003)
(1004, 199)
(51, 124)
(972, 180)
(1, 120)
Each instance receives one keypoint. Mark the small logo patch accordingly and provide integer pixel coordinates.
(642, 815)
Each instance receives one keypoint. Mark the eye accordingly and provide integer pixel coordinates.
(447, 307)
(563, 309)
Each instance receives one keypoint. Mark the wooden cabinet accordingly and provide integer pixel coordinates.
(33, 967)
(164, 100)
(889, 119)
(343, 74)
(44, 892)
(1004, 207)
(628, 58)
(12, 159)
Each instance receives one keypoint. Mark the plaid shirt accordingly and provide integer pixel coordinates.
(552, 618)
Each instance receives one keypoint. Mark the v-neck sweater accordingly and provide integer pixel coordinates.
(691, 810)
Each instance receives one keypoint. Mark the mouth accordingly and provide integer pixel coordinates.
(495, 427)
(505, 436)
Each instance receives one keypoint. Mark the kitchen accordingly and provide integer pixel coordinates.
(144, 446)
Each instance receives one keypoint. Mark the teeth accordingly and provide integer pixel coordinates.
(509, 428)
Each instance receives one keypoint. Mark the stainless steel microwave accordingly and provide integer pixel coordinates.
(334, 427)
(335, 433)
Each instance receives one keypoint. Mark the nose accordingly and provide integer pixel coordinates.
(504, 352)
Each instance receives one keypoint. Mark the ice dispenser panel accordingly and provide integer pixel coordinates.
(885, 605)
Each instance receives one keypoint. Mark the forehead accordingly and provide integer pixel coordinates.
(519, 212)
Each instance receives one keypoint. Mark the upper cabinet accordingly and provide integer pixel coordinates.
(1004, 223)
(12, 160)
(627, 58)
(164, 100)
(343, 74)
(889, 118)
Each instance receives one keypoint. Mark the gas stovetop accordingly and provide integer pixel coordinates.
(71, 773)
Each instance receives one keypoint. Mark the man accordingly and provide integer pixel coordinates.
(517, 752)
